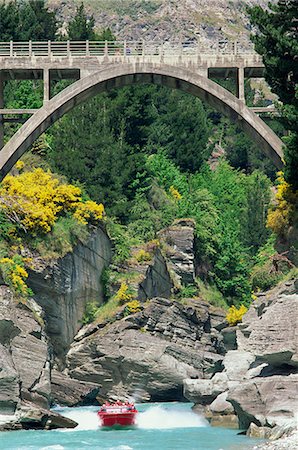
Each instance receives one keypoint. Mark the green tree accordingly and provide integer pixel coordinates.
(36, 23)
(9, 21)
(181, 127)
(278, 44)
(81, 27)
(85, 150)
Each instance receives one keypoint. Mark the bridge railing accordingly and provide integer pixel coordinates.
(120, 48)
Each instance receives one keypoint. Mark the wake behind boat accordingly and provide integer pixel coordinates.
(118, 413)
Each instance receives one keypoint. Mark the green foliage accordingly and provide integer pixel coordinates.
(121, 241)
(262, 277)
(90, 313)
(81, 28)
(277, 42)
(188, 291)
(181, 128)
(66, 233)
(29, 20)
(211, 294)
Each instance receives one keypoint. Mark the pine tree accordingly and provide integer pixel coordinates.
(81, 28)
(37, 23)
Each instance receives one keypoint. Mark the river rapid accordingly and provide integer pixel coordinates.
(160, 426)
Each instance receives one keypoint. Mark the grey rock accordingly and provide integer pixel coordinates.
(31, 417)
(157, 279)
(69, 392)
(268, 401)
(179, 240)
(64, 287)
(260, 376)
(25, 357)
(149, 353)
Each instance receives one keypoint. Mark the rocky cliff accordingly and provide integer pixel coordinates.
(260, 377)
(64, 287)
(25, 387)
(147, 355)
(36, 332)
(187, 20)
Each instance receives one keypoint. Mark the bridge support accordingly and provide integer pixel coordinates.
(46, 86)
(240, 84)
(1, 116)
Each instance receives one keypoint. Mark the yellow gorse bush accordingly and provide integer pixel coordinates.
(14, 275)
(123, 295)
(175, 193)
(235, 315)
(142, 255)
(89, 212)
(35, 200)
(281, 215)
(133, 307)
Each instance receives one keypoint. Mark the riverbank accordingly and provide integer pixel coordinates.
(287, 443)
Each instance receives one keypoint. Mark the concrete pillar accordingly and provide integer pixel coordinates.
(1, 116)
(46, 86)
(240, 84)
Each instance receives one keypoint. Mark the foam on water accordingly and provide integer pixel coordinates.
(160, 418)
(86, 417)
(155, 417)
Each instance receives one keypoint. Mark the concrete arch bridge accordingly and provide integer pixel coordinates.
(99, 66)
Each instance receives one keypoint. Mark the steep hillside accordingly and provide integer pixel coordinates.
(166, 19)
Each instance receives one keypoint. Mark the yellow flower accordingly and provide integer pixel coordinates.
(235, 315)
(19, 165)
(175, 193)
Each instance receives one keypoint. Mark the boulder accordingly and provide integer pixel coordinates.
(268, 329)
(149, 353)
(267, 401)
(69, 392)
(31, 417)
(260, 377)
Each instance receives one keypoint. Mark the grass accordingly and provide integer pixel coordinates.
(66, 233)
(211, 294)
(108, 310)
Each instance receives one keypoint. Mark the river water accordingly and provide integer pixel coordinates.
(161, 426)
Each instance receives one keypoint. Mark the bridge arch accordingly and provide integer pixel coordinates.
(120, 75)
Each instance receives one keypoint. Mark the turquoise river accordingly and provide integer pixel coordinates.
(161, 426)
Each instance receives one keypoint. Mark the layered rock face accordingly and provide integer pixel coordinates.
(25, 387)
(260, 378)
(147, 355)
(180, 241)
(25, 359)
(64, 288)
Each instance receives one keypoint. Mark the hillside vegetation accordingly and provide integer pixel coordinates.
(144, 152)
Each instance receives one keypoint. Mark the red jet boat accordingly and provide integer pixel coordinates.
(123, 414)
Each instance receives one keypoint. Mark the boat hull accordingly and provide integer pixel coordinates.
(122, 419)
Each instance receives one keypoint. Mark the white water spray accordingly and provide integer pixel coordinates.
(155, 417)
(158, 417)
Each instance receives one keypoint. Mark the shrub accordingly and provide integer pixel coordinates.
(35, 200)
(132, 307)
(282, 215)
(235, 315)
(14, 274)
(142, 255)
(262, 278)
(188, 291)
(123, 294)
(91, 310)
(175, 193)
